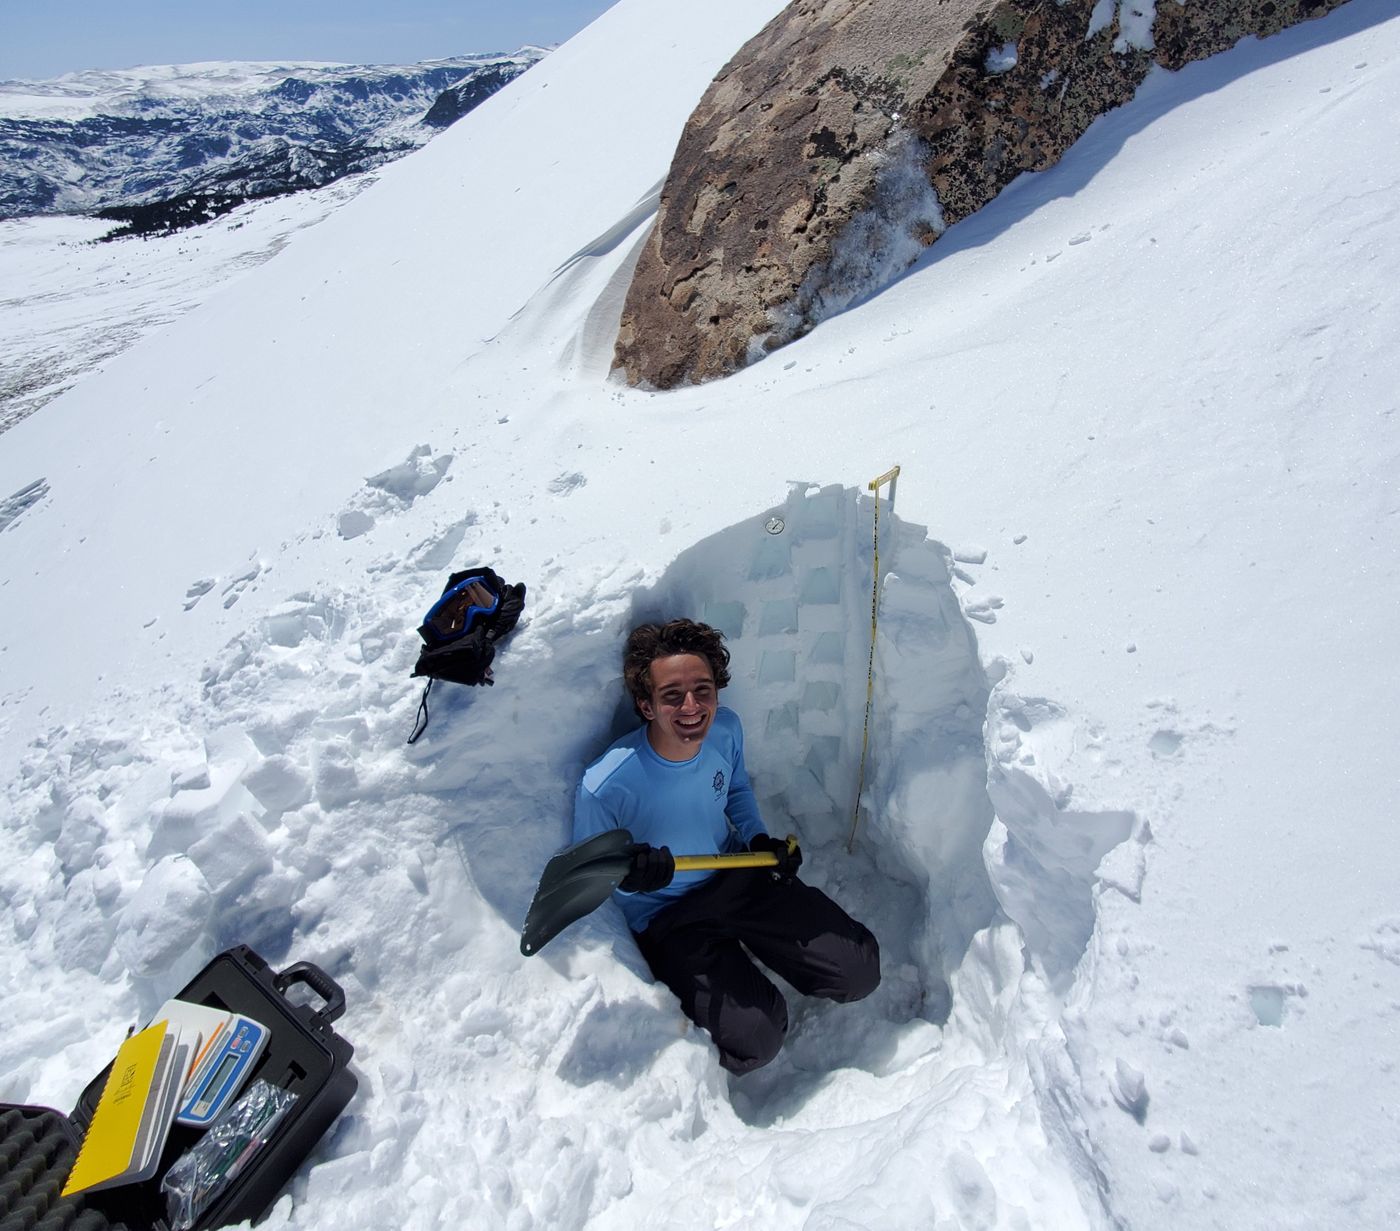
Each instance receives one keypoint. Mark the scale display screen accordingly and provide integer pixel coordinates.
(223, 1072)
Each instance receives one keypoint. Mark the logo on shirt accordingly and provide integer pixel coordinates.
(718, 783)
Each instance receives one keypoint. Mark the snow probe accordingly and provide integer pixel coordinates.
(580, 878)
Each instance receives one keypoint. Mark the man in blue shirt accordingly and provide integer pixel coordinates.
(679, 781)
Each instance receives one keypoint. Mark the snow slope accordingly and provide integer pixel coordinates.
(75, 303)
(1128, 829)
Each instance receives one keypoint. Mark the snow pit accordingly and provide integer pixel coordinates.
(283, 809)
(915, 875)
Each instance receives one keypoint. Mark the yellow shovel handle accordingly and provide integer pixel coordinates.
(749, 859)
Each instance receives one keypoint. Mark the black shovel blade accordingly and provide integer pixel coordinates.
(577, 881)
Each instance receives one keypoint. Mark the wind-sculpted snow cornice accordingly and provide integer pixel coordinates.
(848, 134)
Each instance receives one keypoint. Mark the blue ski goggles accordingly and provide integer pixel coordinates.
(457, 612)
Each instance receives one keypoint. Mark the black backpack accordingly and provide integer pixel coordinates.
(477, 608)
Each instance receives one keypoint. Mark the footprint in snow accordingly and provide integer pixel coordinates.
(1271, 1001)
(568, 482)
(1165, 743)
(1384, 941)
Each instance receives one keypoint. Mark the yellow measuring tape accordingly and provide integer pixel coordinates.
(874, 485)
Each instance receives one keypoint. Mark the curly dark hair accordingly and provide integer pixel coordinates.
(648, 642)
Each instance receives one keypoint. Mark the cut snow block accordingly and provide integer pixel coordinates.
(823, 618)
(415, 476)
(775, 805)
(191, 777)
(777, 667)
(821, 585)
(806, 795)
(770, 560)
(278, 784)
(814, 723)
(821, 696)
(782, 720)
(779, 616)
(290, 623)
(820, 516)
(829, 649)
(232, 857)
(822, 754)
(727, 617)
(164, 917)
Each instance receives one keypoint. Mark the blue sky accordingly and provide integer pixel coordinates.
(46, 40)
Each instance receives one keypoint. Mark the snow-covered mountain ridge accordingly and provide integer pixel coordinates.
(103, 139)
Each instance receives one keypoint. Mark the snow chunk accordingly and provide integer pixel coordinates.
(983, 609)
(1135, 18)
(415, 476)
(279, 784)
(1100, 18)
(1129, 1089)
(878, 245)
(353, 523)
(164, 917)
(233, 856)
(1000, 59)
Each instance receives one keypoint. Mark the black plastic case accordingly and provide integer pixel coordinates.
(304, 1054)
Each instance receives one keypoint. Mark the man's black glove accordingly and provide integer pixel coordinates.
(789, 860)
(652, 869)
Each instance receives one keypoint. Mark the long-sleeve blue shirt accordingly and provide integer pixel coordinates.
(704, 806)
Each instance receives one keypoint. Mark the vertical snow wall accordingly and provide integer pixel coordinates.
(791, 590)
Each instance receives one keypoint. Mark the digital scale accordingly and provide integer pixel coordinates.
(220, 1073)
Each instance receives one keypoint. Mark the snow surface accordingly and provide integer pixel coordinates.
(1128, 835)
(74, 303)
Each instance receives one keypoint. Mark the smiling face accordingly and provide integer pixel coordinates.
(681, 705)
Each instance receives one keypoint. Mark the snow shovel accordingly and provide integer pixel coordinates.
(580, 878)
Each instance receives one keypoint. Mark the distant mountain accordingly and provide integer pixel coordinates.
(161, 148)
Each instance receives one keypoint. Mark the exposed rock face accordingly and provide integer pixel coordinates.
(847, 134)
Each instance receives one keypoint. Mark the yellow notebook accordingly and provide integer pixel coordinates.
(129, 1127)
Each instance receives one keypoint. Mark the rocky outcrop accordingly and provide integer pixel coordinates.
(455, 101)
(848, 134)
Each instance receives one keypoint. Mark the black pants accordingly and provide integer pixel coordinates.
(696, 947)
